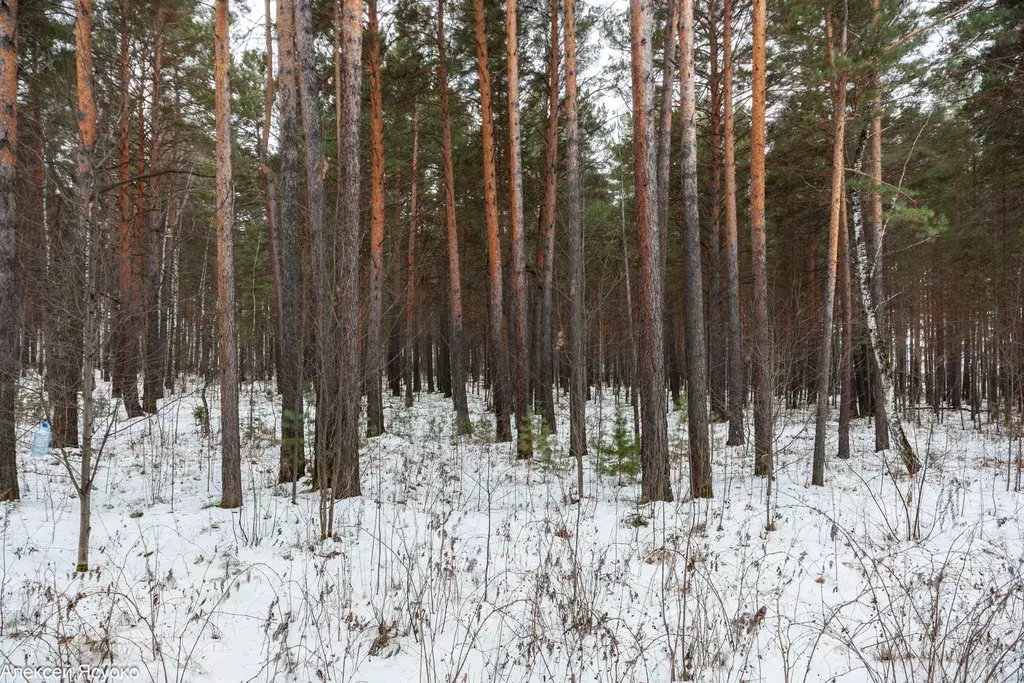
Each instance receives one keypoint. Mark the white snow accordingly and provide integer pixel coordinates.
(460, 563)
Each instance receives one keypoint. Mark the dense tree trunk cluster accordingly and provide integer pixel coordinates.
(799, 237)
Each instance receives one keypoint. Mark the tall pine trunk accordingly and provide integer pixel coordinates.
(231, 461)
(546, 246)
(824, 369)
(496, 311)
(322, 248)
(289, 252)
(762, 351)
(8, 258)
(846, 303)
(412, 337)
(455, 363)
(152, 385)
(346, 471)
(126, 357)
(877, 243)
(737, 390)
(717, 337)
(574, 230)
(655, 484)
(660, 183)
(696, 358)
(374, 398)
(521, 378)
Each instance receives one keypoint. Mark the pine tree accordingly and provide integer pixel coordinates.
(345, 473)
(696, 358)
(231, 458)
(288, 261)
(546, 243)
(8, 275)
(574, 230)
(762, 351)
(455, 352)
(496, 310)
(374, 399)
(655, 484)
(824, 370)
(520, 383)
(737, 390)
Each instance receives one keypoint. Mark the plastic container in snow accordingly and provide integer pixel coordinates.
(41, 444)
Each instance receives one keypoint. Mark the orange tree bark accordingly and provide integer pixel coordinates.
(496, 310)
(762, 351)
(824, 370)
(655, 483)
(374, 399)
(574, 231)
(696, 349)
(8, 264)
(521, 380)
(456, 362)
(737, 390)
(231, 462)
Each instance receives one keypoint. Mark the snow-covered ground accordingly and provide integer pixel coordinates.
(460, 563)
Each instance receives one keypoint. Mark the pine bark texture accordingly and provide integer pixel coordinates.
(231, 459)
(655, 483)
(824, 369)
(521, 375)
(846, 304)
(126, 357)
(496, 309)
(346, 477)
(717, 336)
(877, 243)
(289, 251)
(546, 246)
(374, 398)
(455, 359)
(737, 390)
(412, 331)
(696, 349)
(672, 29)
(322, 247)
(574, 232)
(762, 350)
(8, 257)
(152, 384)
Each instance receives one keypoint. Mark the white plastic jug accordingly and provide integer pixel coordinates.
(41, 444)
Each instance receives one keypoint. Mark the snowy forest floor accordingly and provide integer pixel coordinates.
(460, 563)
